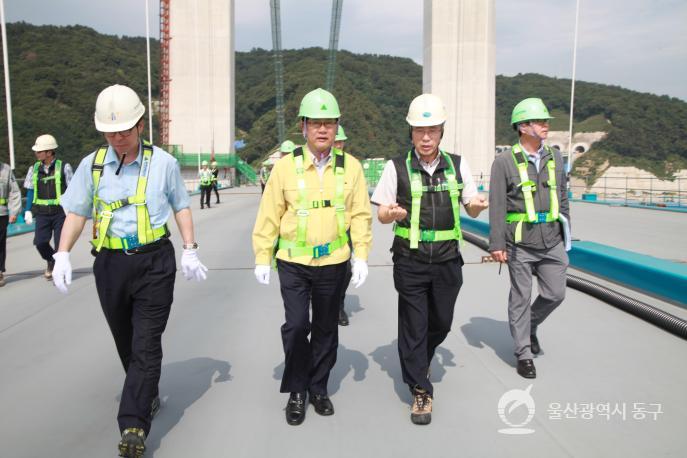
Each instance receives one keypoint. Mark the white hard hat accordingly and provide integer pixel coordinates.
(45, 143)
(117, 108)
(204, 163)
(426, 110)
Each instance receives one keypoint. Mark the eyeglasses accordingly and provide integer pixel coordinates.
(317, 123)
(539, 121)
(121, 133)
(432, 131)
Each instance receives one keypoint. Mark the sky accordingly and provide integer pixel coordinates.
(637, 44)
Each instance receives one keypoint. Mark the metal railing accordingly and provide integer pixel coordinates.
(634, 190)
(625, 190)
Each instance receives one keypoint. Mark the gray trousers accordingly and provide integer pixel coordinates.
(549, 266)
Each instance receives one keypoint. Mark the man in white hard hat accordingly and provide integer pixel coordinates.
(421, 191)
(10, 206)
(132, 188)
(46, 181)
(205, 176)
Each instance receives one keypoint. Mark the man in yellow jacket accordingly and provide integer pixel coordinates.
(313, 197)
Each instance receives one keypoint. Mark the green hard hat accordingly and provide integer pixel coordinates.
(287, 147)
(319, 104)
(528, 109)
(340, 135)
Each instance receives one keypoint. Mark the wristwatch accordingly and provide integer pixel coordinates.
(191, 246)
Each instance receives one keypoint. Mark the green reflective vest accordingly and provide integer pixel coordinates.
(57, 177)
(528, 187)
(299, 247)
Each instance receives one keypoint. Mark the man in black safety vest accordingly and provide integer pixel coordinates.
(528, 217)
(421, 191)
(46, 181)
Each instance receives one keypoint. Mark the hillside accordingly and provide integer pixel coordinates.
(56, 73)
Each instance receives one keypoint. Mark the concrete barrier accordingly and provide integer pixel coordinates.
(656, 277)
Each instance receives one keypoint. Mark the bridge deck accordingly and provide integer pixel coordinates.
(61, 377)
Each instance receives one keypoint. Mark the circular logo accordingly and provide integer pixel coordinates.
(426, 114)
(511, 409)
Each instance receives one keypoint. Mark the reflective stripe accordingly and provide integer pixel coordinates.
(57, 176)
(101, 219)
(414, 233)
(428, 235)
(528, 186)
(299, 247)
(125, 243)
(3, 201)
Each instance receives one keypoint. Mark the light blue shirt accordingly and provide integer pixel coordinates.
(536, 157)
(165, 192)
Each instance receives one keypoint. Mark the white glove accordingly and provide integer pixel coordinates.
(28, 217)
(262, 274)
(359, 272)
(62, 272)
(191, 266)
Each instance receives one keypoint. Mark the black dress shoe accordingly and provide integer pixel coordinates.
(526, 368)
(295, 409)
(534, 344)
(343, 319)
(323, 405)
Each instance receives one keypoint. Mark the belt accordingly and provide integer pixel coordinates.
(147, 248)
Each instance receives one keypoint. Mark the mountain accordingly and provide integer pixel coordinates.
(57, 72)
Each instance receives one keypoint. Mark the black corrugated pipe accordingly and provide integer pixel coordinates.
(663, 320)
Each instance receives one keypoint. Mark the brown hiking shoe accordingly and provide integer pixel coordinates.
(421, 410)
(2, 279)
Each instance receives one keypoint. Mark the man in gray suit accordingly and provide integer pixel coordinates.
(528, 203)
(10, 206)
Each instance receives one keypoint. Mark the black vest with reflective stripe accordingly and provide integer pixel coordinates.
(46, 190)
(436, 211)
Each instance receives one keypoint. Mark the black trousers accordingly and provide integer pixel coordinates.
(347, 282)
(307, 363)
(136, 294)
(214, 188)
(205, 195)
(48, 227)
(427, 295)
(4, 221)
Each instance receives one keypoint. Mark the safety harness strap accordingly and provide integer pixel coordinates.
(414, 233)
(145, 233)
(528, 187)
(300, 247)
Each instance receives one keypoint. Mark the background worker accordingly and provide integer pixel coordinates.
(45, 182)
(340, 143)
(528, 200)
(421, 191)
(264, 174)
(215, 178)
(205, 175)
(10, 206)
(132, 188)
(286, 147)
(311, 229)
